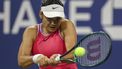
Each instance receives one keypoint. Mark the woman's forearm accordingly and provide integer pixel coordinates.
(25, 61)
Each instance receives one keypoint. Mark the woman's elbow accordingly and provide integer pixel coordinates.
(21, 64)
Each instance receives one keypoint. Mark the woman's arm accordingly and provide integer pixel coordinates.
(24, 54)
(69, 35)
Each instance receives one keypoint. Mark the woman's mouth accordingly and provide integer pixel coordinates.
(53, 27)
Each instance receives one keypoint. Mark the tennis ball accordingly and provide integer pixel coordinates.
(80, 51)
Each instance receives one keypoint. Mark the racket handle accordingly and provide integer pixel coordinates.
(58, 57)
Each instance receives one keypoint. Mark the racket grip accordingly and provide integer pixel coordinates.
(58, 57)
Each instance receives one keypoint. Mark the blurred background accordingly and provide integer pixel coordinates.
(87, 15)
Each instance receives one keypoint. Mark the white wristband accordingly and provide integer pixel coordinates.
(36, 58)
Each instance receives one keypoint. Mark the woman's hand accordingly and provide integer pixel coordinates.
(52, 60)
(44, 61)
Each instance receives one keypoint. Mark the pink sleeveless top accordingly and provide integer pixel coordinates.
(49, 45)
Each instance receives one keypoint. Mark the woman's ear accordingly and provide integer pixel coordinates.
(40, 14)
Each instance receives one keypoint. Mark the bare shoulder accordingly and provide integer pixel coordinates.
(67, 28)
(30, 31)
(66, 21)
(66, 24)
(31, 28)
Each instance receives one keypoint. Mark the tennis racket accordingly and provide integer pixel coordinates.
(98, 48)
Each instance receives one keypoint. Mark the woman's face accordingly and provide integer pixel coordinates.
(51, 24)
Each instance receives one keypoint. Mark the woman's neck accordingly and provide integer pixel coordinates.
(44, 30)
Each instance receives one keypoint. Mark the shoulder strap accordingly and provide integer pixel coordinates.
(39, 28)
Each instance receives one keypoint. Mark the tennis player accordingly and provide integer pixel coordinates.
(43, 42)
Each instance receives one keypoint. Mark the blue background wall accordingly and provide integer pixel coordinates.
(87, 15)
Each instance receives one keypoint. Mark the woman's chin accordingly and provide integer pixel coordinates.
(52, 29)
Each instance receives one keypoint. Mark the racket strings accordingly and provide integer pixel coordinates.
(98, 47)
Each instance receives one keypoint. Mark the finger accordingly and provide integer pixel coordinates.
(54, 62)
(46, 61)
(43, 61)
